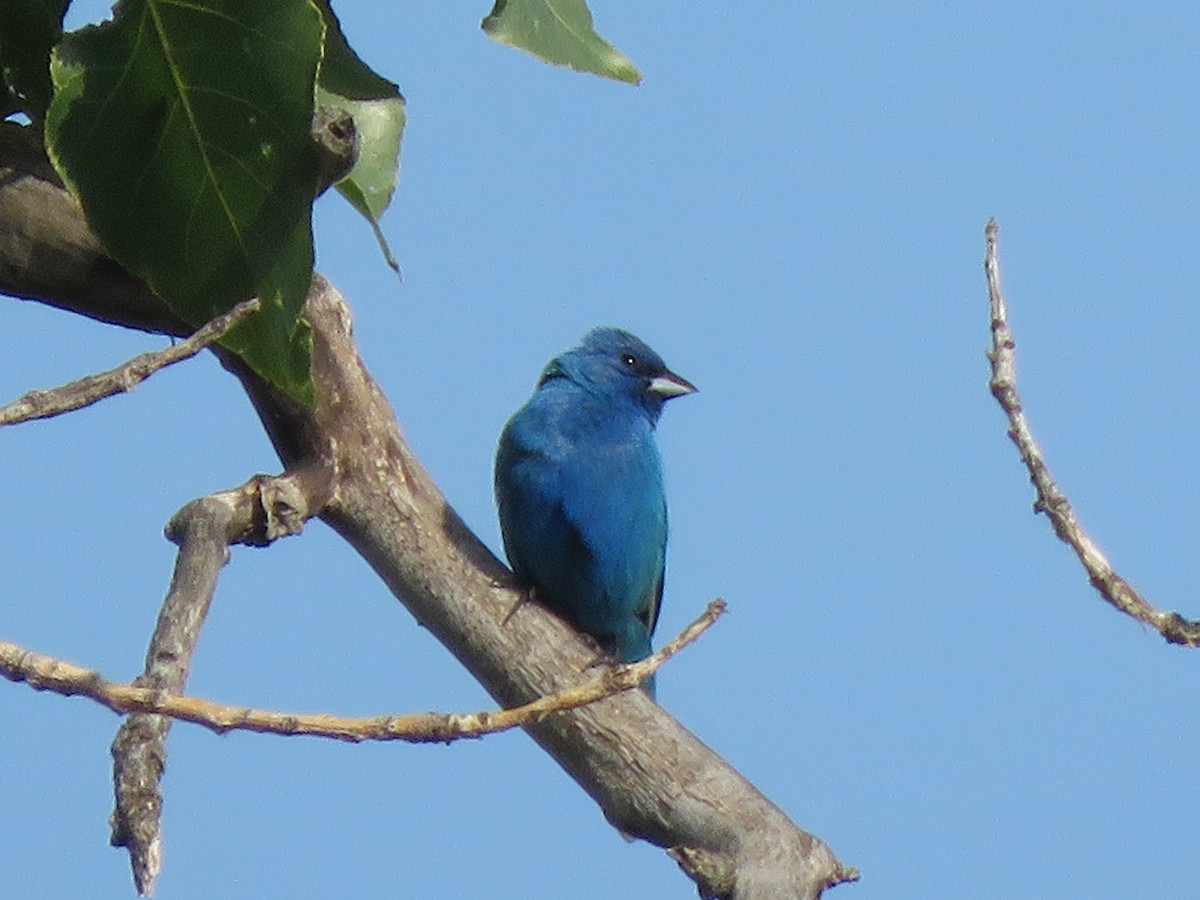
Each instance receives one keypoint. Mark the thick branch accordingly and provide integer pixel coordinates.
(652, 777)
(1050, 500)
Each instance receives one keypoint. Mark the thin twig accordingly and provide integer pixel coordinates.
(86, 391)
(1050, 500)
(46, 673)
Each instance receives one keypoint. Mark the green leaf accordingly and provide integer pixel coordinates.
(280, 341)
(184, 128)
(28, 29)
(369, 186)
(377, 108)
(559, 32)
(360, 199)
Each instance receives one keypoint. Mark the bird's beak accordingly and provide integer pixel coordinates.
(670, 385)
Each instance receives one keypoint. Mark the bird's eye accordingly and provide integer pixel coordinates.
(629, 359)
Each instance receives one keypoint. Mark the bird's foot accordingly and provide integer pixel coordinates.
(527, 595)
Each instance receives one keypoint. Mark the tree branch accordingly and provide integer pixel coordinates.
(46, 673)
(1050, 500)
(256, 513)
(125, 377)
(653, 779)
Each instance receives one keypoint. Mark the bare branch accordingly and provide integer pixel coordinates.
(45, 673)
(1050, 500)
(257, 512)
(93, 388)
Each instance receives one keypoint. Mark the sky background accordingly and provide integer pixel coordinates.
(790, 210)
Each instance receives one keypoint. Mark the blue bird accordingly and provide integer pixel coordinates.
(579, 487)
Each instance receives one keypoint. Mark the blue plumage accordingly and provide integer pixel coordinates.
(579, 487)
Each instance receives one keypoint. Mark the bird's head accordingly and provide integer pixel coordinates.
(616, 364)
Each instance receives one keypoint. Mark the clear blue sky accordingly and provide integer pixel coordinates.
(790, 210)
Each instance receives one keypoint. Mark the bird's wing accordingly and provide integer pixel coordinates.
(655, 605)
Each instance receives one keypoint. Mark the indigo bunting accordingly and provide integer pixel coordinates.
(579, 486)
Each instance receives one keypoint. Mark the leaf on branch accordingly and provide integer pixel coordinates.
(559, 32)
(184, 129)
(377, 108)
(28, 29)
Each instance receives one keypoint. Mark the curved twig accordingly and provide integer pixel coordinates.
(1050, 500)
